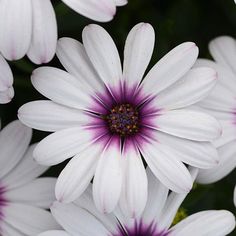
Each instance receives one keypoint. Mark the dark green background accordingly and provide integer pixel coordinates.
(175, 21)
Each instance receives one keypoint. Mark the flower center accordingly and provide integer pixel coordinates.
(123, 120)
(141, 229)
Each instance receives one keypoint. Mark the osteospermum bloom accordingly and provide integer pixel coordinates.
(6, 81)
(108, 119)
(221, 104)
(102, 10)
(24, 198)
(82, 218)
(28, 27)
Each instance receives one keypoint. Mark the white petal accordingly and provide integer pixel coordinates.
(77, 221)
(170, 68)
(228, 134)
(173, 203)
(227, 163)
(26, 171)
(187, 124)
(14, 141)
(206, 223)
(62, 145)
(108, 179)
(121, 2)
(77, 174)
(223, 50)
(86, 202)
(103, 54)
(15, 28)
(74, 58)
(54, 233)
(38, 193)
(8, 230)
(60, 87)
(44, 33)
(102, 11)
(199, 154)
(225, 76)
(166, 167)
(157, 196)
(28, 219)
(138, 52)
(49, 116)
(134, 187)
(6, 96)
(192, 88)
(225, 102)
(6, 76)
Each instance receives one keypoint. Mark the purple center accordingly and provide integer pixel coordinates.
(123, 120)
(141, 229)
(124, 115)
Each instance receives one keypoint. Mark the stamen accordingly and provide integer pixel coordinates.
(123, 120)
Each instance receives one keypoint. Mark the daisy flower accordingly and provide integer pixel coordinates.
(24, 198)
(221, 104)
(108, 120)
(30, 27)
(6, 81)
(82, 218)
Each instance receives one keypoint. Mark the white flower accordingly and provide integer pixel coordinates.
(221, 104)
(28, 27)
(24, 198)
(82, 218)
(108, 119)
(6, 81)
(102, 10)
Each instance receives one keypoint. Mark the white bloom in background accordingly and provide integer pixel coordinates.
(106, 119)
(221, 103)
(102, 10)
(28, 27)
(82, 218)
(24, 198)
(6, 81)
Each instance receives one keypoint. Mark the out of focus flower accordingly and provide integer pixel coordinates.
(6, 81)
(221, 103)
(107, 118)
(82, 218)
(102, 10)
(24, 198)
(28, 27)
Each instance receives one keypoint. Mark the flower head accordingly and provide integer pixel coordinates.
(28, 27)
(110, 119)
(24, 198)
(221, 104)
(82, 218)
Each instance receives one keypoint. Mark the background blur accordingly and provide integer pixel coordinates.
(174, 21)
